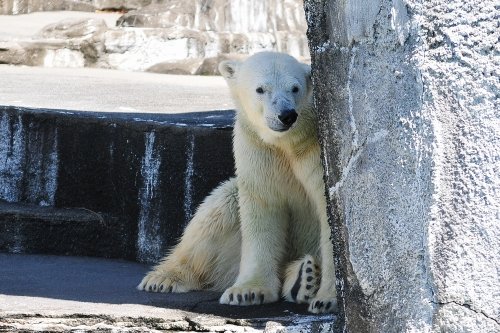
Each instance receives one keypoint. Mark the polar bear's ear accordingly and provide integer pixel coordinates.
(229, 68)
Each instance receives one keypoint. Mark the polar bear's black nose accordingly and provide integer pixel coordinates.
(288, 117)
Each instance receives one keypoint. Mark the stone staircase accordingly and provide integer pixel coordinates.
(106, 184)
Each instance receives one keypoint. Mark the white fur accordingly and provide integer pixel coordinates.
(274, 212)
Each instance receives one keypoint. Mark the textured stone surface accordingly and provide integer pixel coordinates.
(141, 175)
(15, 7)
(408, 99)
(120, 4)
(237, 16)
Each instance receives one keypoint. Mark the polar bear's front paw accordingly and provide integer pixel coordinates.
(323, 303)
(162, 282)
(249, 296)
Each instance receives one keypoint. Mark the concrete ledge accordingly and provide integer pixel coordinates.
(140, 175)
(51, 293)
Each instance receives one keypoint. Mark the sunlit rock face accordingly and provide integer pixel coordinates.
(220, 27)
(177, 36)
(237, 16)
(15, 7)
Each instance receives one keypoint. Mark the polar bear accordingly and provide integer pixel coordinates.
(264, 232)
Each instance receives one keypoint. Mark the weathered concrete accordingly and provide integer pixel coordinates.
(141, 175)
(55, 294)
(408, 96)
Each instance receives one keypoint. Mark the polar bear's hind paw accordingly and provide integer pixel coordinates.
(302, 281)
(326, 304)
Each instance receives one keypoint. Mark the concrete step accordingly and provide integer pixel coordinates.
(142, 174)
(29, 228)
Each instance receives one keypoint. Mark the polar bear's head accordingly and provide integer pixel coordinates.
(271, 88)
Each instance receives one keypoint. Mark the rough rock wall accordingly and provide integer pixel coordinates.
(15, 7)
(408, 96)
(237, 16)
(175, 36)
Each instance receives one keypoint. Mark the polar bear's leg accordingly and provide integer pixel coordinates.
(208, 255)
(326, 297)
(263, 230)
(302, 280)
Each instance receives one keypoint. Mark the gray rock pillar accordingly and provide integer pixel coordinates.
(408, 98)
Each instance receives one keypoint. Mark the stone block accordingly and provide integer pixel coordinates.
(142, 174)
(120, 4)
(29, 228)
(409, 125)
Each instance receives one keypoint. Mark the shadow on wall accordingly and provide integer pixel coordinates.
(111, 185)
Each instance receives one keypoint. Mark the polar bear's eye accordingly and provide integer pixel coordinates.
(259, 90)
(295, 89)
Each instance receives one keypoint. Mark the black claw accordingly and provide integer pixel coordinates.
(308, 286)
(309, 278)
(309, 270)
(154, 288)
(240, 299)
(261, 296)
(321, 304)
(150, 288)
(328, 305)
(246, 297)
(170, 289)
(253, 296)
(231, 297)
(161, 287)
(316, 305)
(296, 286)
(309, 262)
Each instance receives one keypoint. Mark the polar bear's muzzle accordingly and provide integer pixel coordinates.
(288, 117)
(283, 121)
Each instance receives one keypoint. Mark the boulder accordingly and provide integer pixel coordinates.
(18, 53)
(407, 95)
(120, 4)
(210, 66)
(74, 28)
(182, 67)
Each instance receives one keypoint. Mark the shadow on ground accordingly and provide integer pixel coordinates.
(96, 280)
